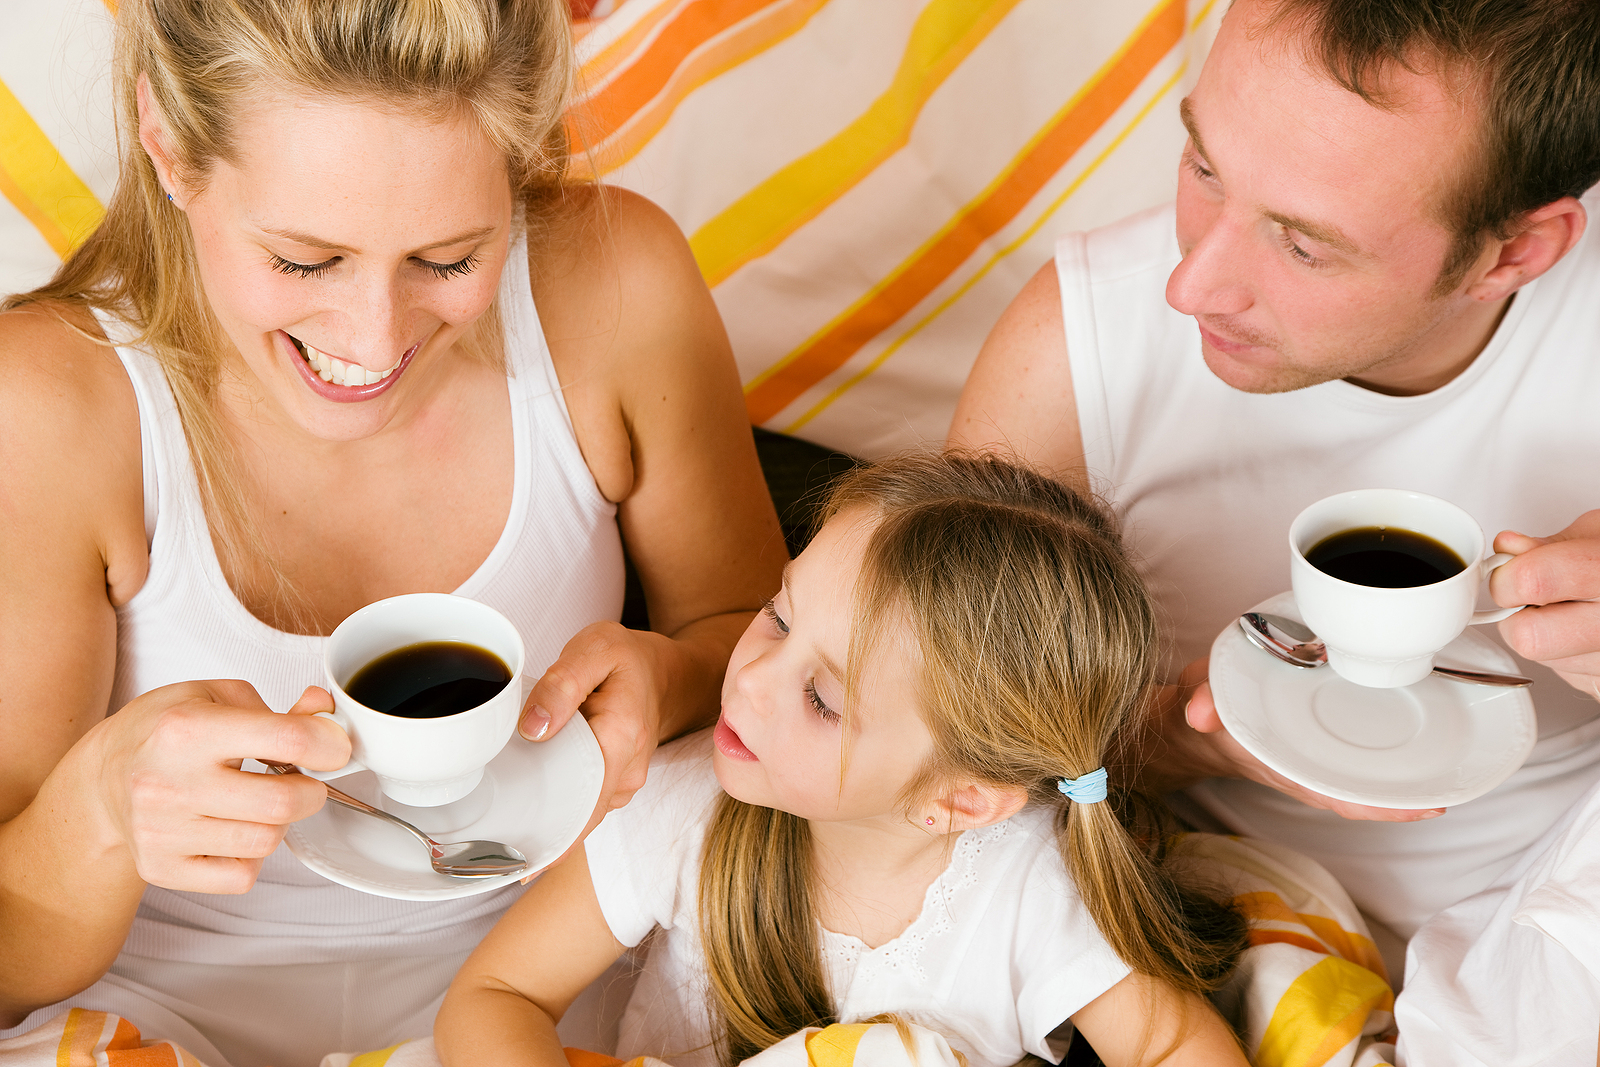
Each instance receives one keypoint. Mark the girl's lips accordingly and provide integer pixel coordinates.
(343, 394)
(728, 743)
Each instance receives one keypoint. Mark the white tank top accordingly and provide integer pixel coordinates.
(556, 568)
(1207, 479)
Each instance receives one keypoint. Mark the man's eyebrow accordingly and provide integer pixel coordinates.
(1186, 113)
(312, 241)
(1326, 235)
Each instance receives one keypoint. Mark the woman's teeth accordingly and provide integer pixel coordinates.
(337, 371)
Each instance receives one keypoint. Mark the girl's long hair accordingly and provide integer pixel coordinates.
(506, 63)
(1038, 649)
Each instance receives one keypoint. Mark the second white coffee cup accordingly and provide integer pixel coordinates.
(1387, 637)
(422, 762)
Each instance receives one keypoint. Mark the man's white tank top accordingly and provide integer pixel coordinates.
(1207, 479)
(556, 567)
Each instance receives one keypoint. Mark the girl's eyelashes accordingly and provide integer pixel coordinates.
(771, 612)
(311, 270)
(827, 714)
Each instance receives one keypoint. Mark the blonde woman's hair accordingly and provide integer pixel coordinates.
(1037, 652)
(506, 63)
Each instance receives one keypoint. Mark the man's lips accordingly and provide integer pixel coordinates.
(728, 743)
(1221, 343)
(344, 394)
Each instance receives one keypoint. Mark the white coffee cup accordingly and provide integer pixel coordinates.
(1382, 637)
(422, 762)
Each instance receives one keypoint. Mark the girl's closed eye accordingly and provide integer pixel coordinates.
(827, 714)
(770, 610)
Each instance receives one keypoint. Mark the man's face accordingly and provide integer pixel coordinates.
(1308, 221)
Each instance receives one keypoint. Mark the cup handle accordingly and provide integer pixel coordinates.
(342, 721)
(1495, 614)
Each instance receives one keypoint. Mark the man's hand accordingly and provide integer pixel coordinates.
(1560, 576)
(1196, 746)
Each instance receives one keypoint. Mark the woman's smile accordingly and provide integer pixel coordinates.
(334, 379)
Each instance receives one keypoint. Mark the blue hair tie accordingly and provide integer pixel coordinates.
(1086, 789)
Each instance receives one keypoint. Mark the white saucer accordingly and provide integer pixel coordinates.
(1429, 745)
(540, 797)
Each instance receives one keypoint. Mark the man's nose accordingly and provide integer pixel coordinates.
(1212, 277)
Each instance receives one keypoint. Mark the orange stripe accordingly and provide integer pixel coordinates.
(1287, 937)
(925, 270)
(613, 55)
(634, 122)
(642, 79)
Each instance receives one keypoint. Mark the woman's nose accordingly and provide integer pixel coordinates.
(379, 331)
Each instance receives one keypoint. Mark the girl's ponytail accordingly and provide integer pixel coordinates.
(1157, 924)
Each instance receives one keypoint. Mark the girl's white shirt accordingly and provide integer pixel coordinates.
(1003, 952)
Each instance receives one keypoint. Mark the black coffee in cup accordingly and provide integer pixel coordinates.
(1385, 556)
(429, 680)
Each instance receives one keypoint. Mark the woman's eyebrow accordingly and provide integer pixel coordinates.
(312, 241)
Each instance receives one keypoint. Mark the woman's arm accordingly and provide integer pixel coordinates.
(655, 401)
(504, 1004)
(1142, 1021)
(92, 807)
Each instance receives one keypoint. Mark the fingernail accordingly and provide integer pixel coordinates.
(1434, 814)
(535, 724)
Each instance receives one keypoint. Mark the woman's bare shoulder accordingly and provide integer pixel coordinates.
(69, 432)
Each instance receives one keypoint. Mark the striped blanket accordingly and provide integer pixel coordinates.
(865, 183)
(1311, 991)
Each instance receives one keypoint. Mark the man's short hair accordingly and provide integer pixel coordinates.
(1534, 66)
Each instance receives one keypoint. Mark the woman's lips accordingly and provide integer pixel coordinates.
(344, 394)
(728, 743)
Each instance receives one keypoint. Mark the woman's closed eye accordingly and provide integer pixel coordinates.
(465, 265)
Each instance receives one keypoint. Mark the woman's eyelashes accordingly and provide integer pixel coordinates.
(462, 266)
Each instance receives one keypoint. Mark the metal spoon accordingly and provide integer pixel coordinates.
(460, 859)
(1297, 646)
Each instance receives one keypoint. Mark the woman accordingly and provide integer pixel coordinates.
(299, 368)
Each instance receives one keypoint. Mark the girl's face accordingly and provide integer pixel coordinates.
(351, 239)
(782, 741)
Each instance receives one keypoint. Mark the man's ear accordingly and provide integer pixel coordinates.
(975, 804)
(1542, 237)
(153, 136)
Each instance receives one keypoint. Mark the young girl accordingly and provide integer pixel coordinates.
(905, 808)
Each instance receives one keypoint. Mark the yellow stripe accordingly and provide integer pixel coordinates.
(41, 184)
(944, 35)
(994, 260)
(374, 1059)
(835, 1046)
(944, 305)
(1320, 1013)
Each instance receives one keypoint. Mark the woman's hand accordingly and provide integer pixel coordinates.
(171, 791)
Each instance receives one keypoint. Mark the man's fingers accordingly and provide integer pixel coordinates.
(1555, 633)
(1558, 570)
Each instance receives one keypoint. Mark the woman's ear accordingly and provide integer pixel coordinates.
(153, 136)
(974, 804)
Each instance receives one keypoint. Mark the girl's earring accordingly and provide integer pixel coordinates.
(929, 820)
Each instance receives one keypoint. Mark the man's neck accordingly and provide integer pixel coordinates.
(1443, 355)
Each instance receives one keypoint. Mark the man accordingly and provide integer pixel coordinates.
(1380, 236)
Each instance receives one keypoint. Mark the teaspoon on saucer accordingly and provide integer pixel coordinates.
(1296, 645)
(459, 859)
